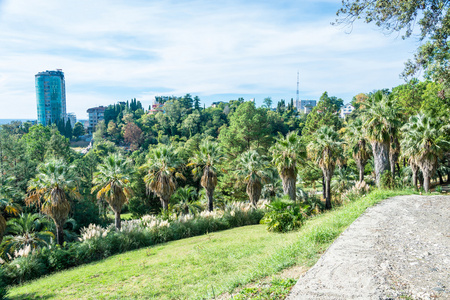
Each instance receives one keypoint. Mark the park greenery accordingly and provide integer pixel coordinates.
(186, 170)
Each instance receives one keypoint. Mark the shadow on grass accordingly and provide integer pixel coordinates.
(30, 296)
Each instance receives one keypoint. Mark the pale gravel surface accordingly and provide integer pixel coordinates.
(398, 249)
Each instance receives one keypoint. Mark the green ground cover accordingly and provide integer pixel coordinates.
(200, 267)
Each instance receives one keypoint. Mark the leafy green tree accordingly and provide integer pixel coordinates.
(326, 150)
(100, 131)
(58, 146)
(287, 153)
(112, 183)
(248, 130)
(424, 140)
(50, 190)
(36, 140)
(359, 145)
(161, 177)
(268, 102)
(324, 114)
(78, 130)
(432, 18)
(205, 162)
(251, 166)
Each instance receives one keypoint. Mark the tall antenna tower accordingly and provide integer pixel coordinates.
(297, 87)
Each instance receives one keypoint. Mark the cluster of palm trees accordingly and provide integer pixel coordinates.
(378, 133)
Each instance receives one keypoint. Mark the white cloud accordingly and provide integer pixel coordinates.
(143, 48)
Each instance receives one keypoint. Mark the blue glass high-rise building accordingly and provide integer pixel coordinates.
(50, 96)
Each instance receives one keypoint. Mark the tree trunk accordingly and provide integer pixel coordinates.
(254, 191)
(426, 182)
(361, 164)
(394, 150)
(117, 220)
(59, 234)
(448, 176)
(164, 203)
(324, 188)
(328, 194)
(380, 158)
(414, 177)
(288, 177)
(209, 194)
(441, 180)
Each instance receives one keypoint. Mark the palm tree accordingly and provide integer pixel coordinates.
(287, 153)
(28, 230)
(325, 150)
(186, 203)
(50, 189)
(252, 167)
(379, 125)
(160, 178)
(423, 142)
(112, 181)
(360, 147)
(7, 205)
(205, 162)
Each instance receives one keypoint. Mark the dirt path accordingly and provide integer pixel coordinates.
(398, 249)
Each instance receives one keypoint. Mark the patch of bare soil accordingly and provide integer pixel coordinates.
(398, 249)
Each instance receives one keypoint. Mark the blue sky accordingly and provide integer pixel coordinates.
(219, 50)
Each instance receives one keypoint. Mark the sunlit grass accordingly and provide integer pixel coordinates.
(200, 267)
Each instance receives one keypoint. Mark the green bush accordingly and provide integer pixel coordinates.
(283, 216)
(387, 181)
(46, 260)
(3, 287)
(438, 189)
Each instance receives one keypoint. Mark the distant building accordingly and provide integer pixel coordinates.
(305, 106)
(346, 110)
(216, 104)
(72, 118)
(50, 96)
(96, 114)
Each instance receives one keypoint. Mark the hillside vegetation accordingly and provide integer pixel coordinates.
(201, 267)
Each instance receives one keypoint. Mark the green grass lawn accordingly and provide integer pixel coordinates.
(200, 267)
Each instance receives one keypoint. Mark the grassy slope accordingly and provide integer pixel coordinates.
(199, 267)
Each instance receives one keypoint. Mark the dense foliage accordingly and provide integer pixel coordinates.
(181, 159)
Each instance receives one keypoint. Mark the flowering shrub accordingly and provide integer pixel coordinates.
(93, 231)
(97, 242)
(358, 190)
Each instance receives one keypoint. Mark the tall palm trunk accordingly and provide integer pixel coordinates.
(164, 202)
(361, 164)
(254, 191)
(415, 170)
(117, 220)
(327, 174)
(380, 158)
(288, 177)
(209, 182)
(394, 152)
(427, 166)
(209, 194)
(59, 234)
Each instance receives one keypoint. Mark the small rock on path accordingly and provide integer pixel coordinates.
(398, 249)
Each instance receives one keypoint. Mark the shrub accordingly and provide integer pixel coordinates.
(438, 189)
(3, 286)
(97, 242)
(358, 190)
(283, 215)
(387, 180)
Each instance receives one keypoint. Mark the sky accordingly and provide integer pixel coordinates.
(218, 50)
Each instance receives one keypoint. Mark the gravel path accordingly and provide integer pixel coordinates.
(398, 249)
